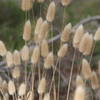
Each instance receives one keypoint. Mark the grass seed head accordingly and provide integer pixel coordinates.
(97, 35)
(11, 87)
(65, 2)
(51, 12)
(83, 44)
(25, 53)
(42, 86)
(30, 95)
(80, 93)
(35, 55)
(63, 50)
(26, 5)
(38, 25)
(46, 96)
(27, 31)
(16, 58)
(16, 73)
(49, 61)
(22, 89)
(78, 36)
(43, 31)
(88, 47)
(44, 48)
(86, 69)
(94, 81)
(3, 49)
(9, 59)
(79, 81)
(66, 33)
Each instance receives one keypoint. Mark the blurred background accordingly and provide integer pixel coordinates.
(12, 18)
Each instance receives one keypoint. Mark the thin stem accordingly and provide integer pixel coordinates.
(71, 74)
(53, 75)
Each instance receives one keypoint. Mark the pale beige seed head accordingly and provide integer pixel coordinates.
(63, 50)
(86, 69)
(79, 81)
(43, 31)
(51, 12)
(83, 43)
(40, 1)
(30, 95)
(11, 87)
(35, 55)
(25, 53)
(9, 59)
(4, 86)
(94, 81)
(88, 47)
(38, 25)
(65, 35)
(3, 49)
(80, 93)
(26, 5)
(16, 73)
(42, 86)
(65, 2)
(44, 48)
(49, 61)
(22, 89)
(97, 35)
(27, 31)
(46, 96)
(16, 58)
(78, 36)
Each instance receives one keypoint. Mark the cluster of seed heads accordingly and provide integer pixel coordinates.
(21, 84)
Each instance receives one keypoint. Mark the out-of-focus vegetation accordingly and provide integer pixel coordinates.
(12, 18)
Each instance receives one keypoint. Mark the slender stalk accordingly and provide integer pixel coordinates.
(71, 74)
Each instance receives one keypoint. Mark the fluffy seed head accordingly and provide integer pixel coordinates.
(26, 5)
(49, 61)
(30, 95)
(43, 31)
(65, 2)
(16, 58)
(22, 89)
(44, 48)
(97, 35)
(40, 1)
(46, 96)
(84, 42)
(35, 55)
(27, 31)
(89, 45)
(51, 12)
(66, 33)
(42, 86)
(16, 73)
(3, 49)
(38, 25)
(79, 81)
(9, 59)
(94, 81)
(78, 36)
(80, 93)
(86, 69)
(63, 50)
(11, 87)
(25, 53)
